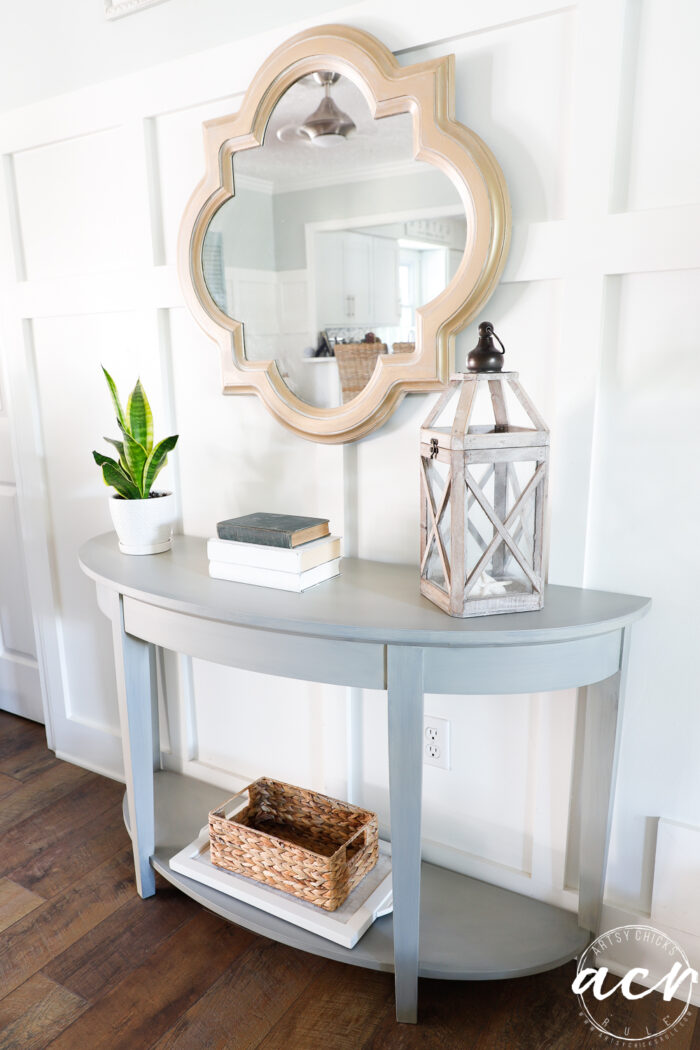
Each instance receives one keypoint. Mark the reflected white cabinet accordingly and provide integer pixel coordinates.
(356, 280)
(385, 281)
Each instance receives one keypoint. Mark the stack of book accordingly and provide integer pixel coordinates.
(284, 551)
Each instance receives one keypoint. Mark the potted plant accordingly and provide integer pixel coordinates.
(142, 518)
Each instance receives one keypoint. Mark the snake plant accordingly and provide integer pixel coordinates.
(139, 461)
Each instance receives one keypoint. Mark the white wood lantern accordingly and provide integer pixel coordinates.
(484, 463)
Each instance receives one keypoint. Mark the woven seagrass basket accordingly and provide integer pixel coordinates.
(356, 364)
(296, 840)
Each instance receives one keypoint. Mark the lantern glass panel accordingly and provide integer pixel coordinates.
(438, 475)
(493, 565)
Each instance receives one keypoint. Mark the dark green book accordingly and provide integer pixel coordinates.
(273, 530)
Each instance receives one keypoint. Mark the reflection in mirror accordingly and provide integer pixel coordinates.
(334, 238)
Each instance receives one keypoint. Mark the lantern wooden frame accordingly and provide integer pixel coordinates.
(499, 446)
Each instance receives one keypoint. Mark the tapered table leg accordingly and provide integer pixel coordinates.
(603, 724)
(405, 688)
(138, 714)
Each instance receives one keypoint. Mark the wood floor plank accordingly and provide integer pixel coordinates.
(54, 869)
(35, 1013)
(94, 967)
(33, 941)
(26, 756)
(238, 1011)
(644, 1015)
(339, 1010)
(122, 942)
(451, 1014)
(540, 1011)
(15, 902)
(149, 1001)
(42, 790)
(86, 804)
(694, 1043)
(14, 729)
(8, 784)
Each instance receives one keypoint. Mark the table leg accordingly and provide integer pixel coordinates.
(601, 745)
(405, 689)
(138, 716)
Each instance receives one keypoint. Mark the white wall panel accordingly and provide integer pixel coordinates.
(180, 151)
(644, 537)
(16, 628)
(664, 161)
(490, 786)
(252, 725)
(7, 472)
(514, 89)
(76, 412)
(234, 456)
(81, 206)
(527, 318)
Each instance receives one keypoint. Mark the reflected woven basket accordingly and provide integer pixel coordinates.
(296, 840)
(356, 363)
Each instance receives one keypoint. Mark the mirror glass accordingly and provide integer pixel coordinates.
(335, 236)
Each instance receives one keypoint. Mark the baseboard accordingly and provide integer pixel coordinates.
(93, 767)
(613, 916)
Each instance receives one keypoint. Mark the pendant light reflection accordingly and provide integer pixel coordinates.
(328, 125)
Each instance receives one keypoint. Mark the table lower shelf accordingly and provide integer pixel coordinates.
(470, 930)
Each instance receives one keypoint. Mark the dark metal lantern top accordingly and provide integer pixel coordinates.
(486, 357)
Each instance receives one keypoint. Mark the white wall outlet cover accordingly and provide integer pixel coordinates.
(436, 742)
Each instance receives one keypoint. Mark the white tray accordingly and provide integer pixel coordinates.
(367, 902)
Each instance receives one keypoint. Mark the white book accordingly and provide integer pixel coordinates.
(370, 899)
(298, 559)
(282, 581)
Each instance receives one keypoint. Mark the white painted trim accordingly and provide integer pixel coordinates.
(209, 774)
(16, 657)
(637, 242)
(379, 171)
(617, 915)
(87, 763)
(96, 726)
(255, 183)
(599, 45)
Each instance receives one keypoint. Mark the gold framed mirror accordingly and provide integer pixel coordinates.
(346, 228)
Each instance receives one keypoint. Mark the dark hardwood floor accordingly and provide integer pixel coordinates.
(85, 964)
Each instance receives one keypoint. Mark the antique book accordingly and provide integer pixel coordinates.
(273, 530)
(282, 581)
(298, 559)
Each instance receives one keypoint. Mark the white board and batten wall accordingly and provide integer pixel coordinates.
(576, 100)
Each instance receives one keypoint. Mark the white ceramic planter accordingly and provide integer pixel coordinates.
(144, 526)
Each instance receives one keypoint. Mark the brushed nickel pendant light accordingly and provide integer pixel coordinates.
(328, 125)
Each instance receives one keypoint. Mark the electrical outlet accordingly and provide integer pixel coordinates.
(436, 742)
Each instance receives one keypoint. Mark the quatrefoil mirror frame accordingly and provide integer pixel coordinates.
(424, 90)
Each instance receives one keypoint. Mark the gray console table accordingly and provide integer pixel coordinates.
(371, 628)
